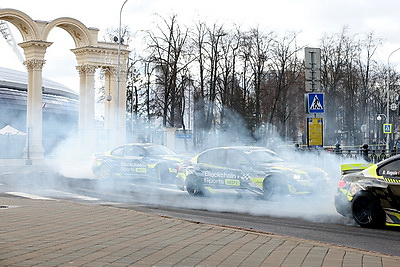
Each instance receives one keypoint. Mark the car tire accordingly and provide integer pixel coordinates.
(104, 171)
(367, 211)
(194, 186)
(271, 188)
(268, 188)
(161, 173)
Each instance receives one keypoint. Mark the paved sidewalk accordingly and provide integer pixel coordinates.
(62, 233)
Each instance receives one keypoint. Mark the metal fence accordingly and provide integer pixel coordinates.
(364, 152)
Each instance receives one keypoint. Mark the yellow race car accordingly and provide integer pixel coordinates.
(370, 193)
(249, 168)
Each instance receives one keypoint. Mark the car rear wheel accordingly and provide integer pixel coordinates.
(162, 173)
(194, 186)
(104, 171)
(366, 210)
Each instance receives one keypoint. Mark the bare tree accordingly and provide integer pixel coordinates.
(258, 77)
(229, 47)
(369, 77)
(287, 69)
(260, 45)
(214, 56)
(333, 59)
(165, 53)
(198, 42)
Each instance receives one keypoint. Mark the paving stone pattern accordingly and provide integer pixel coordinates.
(63, 233)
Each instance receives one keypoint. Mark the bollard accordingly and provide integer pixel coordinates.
(337, 149)
(364, 152)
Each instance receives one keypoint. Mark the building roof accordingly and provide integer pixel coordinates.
(18, 80)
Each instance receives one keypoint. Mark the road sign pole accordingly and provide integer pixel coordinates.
(314, 100)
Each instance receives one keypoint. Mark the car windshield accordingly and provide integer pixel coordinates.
(160, 150)
(263, 156)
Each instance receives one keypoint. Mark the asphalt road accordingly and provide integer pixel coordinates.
(313, 219)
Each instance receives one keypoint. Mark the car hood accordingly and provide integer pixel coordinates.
(295, 168)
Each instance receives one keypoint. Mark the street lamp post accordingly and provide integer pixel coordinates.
(379, 118)
(119, 62)
(387, 95)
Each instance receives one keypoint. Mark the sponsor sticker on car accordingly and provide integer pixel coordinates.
(130, 167)
(219, 174)
(141, 170)
(232, 182)
(221, 181)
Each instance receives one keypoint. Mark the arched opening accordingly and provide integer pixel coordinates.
(42, 42)
(12, 96)
(60, 114)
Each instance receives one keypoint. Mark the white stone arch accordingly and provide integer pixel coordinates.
(88, 52)
(85, 39)
(81, 35)
(26, 26)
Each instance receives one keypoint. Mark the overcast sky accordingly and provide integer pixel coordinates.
(311, 18)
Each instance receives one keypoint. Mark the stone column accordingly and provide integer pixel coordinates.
(86, 97)
(90, 97)
(34, 54)
(82, 99)
(86, 102)
(34, 148)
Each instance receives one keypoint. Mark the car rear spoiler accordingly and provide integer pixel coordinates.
(349, 168)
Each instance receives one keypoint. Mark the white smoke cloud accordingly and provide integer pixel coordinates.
(73, 159)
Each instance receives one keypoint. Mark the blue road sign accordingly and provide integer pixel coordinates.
(387, 128)
(183, 136)
(315, 103)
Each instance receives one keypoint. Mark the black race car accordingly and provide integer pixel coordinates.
(370, 193)
(138, 160)
(255, 169)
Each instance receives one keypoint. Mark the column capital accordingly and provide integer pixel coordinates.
(86, 69)
(109, 69)
(34, 64)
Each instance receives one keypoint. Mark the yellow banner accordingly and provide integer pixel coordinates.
(315, 132)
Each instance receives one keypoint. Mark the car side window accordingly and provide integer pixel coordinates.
(391, 169)
(235, 158)
(134, 151)
(118, 152)
(212, 157)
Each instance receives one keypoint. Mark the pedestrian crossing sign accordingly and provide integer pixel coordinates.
(387, 128)
(315, 103)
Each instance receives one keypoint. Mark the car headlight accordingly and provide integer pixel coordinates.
(301, 179)
(298, 176)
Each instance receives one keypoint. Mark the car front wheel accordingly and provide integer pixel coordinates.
(270, 188)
